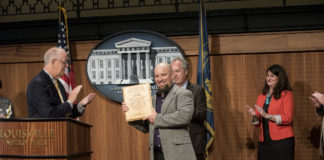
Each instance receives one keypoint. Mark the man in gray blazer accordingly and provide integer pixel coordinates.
(197, 130)
(168, 125)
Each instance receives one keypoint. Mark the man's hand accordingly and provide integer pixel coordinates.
(151, 117)
(86, 100)
(315, 101)
(74, 93)
(317, 98)
(124, 107)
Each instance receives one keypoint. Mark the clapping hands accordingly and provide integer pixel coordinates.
(251, 112)
(86, 100)
(317, 98)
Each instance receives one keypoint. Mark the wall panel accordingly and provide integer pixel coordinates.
(238, 75)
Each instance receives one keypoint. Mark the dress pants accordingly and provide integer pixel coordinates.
(158, 153)
(200, 156)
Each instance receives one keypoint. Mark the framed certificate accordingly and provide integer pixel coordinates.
(139, 101)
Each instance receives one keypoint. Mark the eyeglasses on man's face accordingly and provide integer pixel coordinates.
(64, 62)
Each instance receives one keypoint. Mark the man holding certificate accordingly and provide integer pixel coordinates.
(170, 118)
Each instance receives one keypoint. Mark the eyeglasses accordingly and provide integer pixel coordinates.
(64, 62)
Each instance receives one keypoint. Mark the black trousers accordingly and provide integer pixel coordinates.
(158, 153)
(200, 156)
(277, 150)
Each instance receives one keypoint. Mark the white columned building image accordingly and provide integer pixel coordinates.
(132, 61)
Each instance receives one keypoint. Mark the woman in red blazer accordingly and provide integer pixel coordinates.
(273, 115)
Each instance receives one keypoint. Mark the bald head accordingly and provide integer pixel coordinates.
(164, 65)
(55, 60)
(163, 77)
(53, 53)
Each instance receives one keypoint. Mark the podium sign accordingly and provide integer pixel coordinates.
(44, 139)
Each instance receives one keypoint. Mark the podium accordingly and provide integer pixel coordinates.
(54, 139)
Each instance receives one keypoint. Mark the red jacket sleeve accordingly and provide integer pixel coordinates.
(288, 107)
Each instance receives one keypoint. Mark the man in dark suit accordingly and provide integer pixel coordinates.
(168, 124)
(180, 70)
(46, 96)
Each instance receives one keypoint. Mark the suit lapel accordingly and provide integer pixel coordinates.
(50, 86)
(168, 99)
(189, 86)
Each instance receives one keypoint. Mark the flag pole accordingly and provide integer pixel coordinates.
(204, 76)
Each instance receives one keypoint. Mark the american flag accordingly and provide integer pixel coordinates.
(67, 79)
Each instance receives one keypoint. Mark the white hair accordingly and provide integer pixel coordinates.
(52, 53)
(184, 62)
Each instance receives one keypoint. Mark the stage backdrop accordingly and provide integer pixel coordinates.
(238, 64)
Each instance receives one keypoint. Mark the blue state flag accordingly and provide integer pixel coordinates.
(204, 75)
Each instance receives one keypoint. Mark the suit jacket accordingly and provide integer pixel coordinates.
(320, 112)
(196, 129)
(284, 106)
(43, 99)
(173, 121)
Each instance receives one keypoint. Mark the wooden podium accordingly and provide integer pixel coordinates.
(54, 139)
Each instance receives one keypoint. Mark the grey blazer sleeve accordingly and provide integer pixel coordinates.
(179, 111)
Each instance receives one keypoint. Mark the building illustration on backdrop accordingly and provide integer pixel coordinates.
(132, 61)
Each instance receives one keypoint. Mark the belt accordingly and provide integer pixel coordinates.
(158, 148)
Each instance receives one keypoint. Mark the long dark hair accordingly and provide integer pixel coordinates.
(283, 82)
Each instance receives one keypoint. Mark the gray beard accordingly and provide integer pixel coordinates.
(164, 90)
